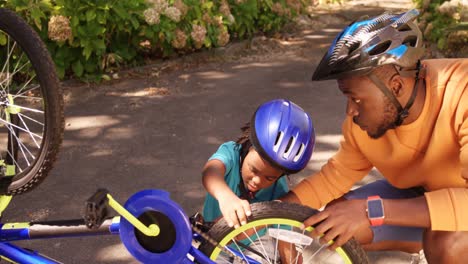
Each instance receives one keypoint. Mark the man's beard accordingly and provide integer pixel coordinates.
(389, 118)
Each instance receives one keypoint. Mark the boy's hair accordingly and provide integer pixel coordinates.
(244, 140)
(245, 136)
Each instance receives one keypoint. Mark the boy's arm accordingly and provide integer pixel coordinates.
(232, 207)
(213, 179)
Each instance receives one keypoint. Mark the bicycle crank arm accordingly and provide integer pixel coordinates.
(96, 213)
(152, 230)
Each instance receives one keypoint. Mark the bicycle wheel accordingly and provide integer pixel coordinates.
(31, 107)
(275, 225)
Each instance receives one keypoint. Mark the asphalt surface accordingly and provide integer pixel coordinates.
(155, 128)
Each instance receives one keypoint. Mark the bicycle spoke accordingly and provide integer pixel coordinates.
(21, 145)
(298, 255)
(27, 128)
(22, 129)
(316, 252)
(276, 245)
(26, 108)
(277, 248)
(16, 70)
(239, 249)
(21, 95)
(264, 254)
(12, 153)
(7, 76)
(14, 161)
(261, 244)
(5, 80)
(33, 120)
(290, 247)
(19, 92)
(9, 54)
(7, 62)
(29, 97)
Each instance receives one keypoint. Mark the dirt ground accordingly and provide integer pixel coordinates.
(155, 126)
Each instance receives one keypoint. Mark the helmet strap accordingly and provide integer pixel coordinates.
(402, 112)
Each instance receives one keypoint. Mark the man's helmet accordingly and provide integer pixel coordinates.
(283, 134)
(364, 45)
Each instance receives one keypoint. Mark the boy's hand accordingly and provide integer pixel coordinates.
(234, 210)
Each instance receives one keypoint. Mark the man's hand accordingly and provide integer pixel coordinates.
(340, 222)
(235, 210)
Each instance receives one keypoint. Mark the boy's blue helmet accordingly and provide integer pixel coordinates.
(364, 45)
(283, 134)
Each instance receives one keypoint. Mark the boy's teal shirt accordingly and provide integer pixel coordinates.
(229, 154)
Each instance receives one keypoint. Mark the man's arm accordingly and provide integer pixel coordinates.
(290, 197)
(337, 176)
(407, 212)
(448, 207)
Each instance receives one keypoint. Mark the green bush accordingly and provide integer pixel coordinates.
(90, 38)
(444, 23)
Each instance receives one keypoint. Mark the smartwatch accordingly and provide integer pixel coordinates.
(375, 210)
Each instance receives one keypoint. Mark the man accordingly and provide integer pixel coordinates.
(410, 121)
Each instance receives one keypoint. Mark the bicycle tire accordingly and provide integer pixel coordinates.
(279, 214)
(45, 153)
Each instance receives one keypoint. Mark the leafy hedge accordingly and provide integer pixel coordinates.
(446, 24)
(89, 38)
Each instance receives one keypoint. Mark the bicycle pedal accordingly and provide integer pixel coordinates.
(198, 221)
(96, 210)
(196, 218)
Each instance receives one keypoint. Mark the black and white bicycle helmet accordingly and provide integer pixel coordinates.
(366, 44)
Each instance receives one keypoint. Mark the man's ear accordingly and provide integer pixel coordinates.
(396, 85)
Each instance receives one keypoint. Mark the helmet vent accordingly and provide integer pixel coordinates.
(404, 28)
(354, 46)
(383, 17)
(289, 147)
(279, 139)
(380, 48)
(299, 153)
(406, 17)
(410, 41)
(377, 26)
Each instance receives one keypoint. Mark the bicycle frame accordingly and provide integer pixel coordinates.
(55, 229)
(70, 228)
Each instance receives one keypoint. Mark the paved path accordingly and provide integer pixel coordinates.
(126, 137)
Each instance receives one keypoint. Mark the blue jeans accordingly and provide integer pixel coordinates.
(387, 191)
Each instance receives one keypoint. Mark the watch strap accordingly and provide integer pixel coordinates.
(375, 221)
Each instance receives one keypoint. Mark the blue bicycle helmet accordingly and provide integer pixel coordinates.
(364, 45)
(283, 134)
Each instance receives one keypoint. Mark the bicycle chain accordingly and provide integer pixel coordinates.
(210, 240)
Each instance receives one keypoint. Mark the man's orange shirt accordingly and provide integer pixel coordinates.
(431, 152)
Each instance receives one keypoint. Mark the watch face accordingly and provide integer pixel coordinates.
(375, 208)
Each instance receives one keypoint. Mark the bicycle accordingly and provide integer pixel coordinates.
(152, 227)
(31, 107)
